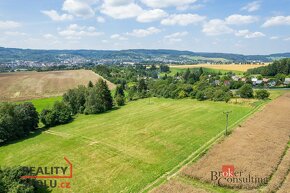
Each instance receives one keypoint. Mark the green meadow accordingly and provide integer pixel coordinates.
(173, 71)
(125, 149)
(44, 103)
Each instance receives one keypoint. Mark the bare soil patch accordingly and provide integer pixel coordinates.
(29, 85)
(255, 148)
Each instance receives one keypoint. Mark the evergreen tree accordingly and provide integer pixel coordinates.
(90, 84)
(105, 94)
(98, 98)
(186, 75)
(119, 96)
(119, 91)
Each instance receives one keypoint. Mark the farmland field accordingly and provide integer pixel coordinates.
(259, 146)
(229, 67)
(28, 85)
(174, 70)
(126, 149)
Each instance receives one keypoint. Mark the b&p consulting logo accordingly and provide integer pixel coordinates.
(57, 176)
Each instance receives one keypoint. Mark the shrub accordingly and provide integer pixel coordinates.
(10, 181)
(200, 96)
(182, 94)
(61, 113)
(262, 94)
(246, 91)
(120, 100)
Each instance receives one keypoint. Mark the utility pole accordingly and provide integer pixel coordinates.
(149, 95)
(227, 121)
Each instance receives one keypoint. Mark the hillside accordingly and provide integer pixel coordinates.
(28, 57)
(29, 85)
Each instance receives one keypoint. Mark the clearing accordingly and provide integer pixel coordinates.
(126, 149)
(18, 86)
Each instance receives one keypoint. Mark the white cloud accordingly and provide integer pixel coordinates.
(151, 15)
(75, 31)
(144, 32)
(216, 27)
(175, 37)
(183, 19)
(274, 38)
(167, 3)
(101, 19)
(120, 9)
(9, 25)
(247, 34)
(15, 33)
(237, 19)
(118, 2)
(79, 8)
(287, 39)
(56, 17)
(253, 6)
(118, 37)
(277, 21)
(49, 36)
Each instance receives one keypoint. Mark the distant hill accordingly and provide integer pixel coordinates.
(14, 55)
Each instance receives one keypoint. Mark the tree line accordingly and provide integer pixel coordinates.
(281, 66)
(17, 120)
(92, 99)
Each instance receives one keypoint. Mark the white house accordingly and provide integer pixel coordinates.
(236, 78)
(287, 81)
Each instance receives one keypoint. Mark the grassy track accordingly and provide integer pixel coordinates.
(126, 149)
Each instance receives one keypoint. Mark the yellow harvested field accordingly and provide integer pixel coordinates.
(17, 86)
(233, 67)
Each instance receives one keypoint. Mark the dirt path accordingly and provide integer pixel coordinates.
(254, 149)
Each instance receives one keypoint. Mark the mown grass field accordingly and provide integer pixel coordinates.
(126, 149)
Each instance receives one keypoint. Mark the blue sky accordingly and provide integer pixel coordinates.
(246, 27)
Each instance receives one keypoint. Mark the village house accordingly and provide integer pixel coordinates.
(272, 83)
(217, 82)
(236, 78)
(227, 83)
(287, 81)
(265, 80)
